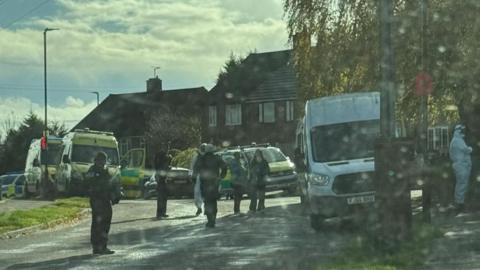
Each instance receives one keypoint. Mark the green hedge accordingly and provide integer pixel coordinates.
(184, 158)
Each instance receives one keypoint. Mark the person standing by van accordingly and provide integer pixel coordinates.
(211, 169)
(162, 166)
(238, 181)
(462, 165)
(259, 170)
(100, 189)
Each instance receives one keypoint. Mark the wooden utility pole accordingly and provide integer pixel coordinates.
(392, 156)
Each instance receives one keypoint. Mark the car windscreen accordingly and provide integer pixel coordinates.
(345, 141)
(54, 154)
(269, 154)
(86, 154)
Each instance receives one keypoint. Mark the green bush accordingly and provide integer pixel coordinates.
(184, 158)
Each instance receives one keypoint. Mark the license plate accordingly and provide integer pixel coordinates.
(361, 199)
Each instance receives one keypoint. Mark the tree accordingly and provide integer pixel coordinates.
(57, 129)
(17, 141)
(167, 130)
(345, 55)
(239, 75)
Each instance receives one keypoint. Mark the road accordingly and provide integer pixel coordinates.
(279, 238)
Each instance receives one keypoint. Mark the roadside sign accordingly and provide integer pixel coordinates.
(423, 84)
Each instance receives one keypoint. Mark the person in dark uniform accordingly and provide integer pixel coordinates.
(211, 169)
(101, 190)
(162, 166)
(238, 172)
(259, 170)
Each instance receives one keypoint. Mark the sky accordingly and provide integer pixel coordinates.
(112, 46)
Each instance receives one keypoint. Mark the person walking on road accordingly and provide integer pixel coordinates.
(259, 170)
(210, 169)
(162, 166)
(197, 193)
(238, 172)
(462, 165)
(103, 194)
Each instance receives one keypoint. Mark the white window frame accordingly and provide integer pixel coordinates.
(233, 114)
(289, 110)
(266, 112)
(212, 116)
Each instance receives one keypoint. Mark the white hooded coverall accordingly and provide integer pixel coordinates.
(462, 163)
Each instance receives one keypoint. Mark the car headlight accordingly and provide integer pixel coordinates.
(319, 179)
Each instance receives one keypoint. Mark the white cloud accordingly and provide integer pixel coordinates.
(74, 102)
(117, 41)
(16, 109)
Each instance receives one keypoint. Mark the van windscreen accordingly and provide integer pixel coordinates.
(54, 154)
(86, 154)
(345, 141)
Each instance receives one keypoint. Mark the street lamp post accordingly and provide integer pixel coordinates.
(98, 96)
(45, 132)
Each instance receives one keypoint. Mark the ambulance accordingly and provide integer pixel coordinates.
(78, 152)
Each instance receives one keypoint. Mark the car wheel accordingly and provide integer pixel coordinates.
(317, 222)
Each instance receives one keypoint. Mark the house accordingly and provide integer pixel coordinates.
(127, 115)
(263, 112)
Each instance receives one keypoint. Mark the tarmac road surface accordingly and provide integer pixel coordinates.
(278, 238)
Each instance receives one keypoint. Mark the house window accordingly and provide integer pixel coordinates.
(233, 114)
(266, 112)
(212, 116)
(289, 110)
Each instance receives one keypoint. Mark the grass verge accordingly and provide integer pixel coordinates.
(362, 255)
(62, 210)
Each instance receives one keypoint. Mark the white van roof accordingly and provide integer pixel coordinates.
(343, 109)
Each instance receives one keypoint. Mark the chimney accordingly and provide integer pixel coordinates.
(154, 84)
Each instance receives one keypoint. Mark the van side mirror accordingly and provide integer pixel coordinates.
(66, 159)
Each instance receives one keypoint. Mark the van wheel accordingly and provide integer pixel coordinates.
(317, 222)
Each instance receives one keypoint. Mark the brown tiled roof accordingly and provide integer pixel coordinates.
(279, 85)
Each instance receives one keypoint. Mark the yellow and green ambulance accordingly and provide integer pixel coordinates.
(78, 151)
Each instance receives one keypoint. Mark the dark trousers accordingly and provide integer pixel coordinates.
(257, 193)
(209, 188)
(210, 205)
(101, 220)
(237, 197)
(162, 201)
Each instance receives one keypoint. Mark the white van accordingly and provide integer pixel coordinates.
(336, 141)
(35, 163)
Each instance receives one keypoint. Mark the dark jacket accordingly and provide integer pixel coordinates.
(238, 172)
(211, 169)
(98, 183)
(259, 172)
(162, 166)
